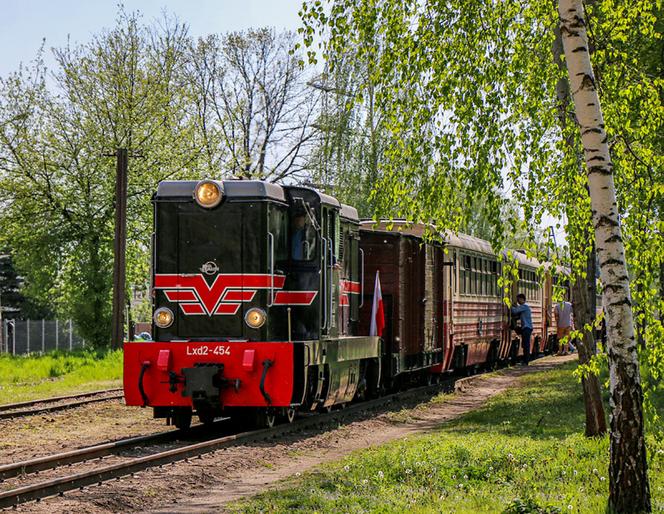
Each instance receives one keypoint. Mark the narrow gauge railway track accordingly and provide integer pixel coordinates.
(97, 451)
(104, 473)
(18, 410)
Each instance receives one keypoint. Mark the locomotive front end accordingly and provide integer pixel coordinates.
(222, 306)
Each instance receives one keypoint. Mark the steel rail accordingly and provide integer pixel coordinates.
(25, 467)
(30, 403)
(97, 476)
(17, 410)
(55, 408)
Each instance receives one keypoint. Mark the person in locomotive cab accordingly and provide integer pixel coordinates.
(522, 309)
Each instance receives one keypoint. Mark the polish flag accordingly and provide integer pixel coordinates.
(377, 312)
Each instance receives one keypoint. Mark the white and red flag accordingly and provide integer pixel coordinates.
(377, 312)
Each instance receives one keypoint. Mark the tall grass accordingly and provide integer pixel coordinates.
(36, 376)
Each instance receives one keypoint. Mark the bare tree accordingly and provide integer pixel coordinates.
(254, 107)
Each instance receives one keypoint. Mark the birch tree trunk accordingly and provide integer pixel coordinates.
(628, 480)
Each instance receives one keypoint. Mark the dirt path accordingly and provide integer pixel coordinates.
(208, 483)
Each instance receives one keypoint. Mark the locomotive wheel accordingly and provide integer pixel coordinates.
(182, 419)
(265, 419)
(289, 415)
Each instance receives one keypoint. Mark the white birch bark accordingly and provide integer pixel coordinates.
(629, 491)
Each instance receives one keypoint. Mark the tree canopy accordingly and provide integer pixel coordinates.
(230, 105)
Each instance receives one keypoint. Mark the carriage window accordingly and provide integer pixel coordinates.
(482, 276)
(473, 274)
(466, 275)
(303, 237)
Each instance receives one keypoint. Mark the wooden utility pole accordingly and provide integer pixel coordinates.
(119, 247)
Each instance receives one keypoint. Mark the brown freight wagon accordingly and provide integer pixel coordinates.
(411, 278)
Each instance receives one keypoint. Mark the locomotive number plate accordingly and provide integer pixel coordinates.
(209, 350)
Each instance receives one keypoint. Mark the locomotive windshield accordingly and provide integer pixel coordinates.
(214, 265)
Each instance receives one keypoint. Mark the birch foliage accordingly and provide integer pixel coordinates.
(473, 109)
(469, 92)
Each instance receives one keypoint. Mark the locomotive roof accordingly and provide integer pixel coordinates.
(322, 197)
(233, 189)
(449, 238)
(349, 213)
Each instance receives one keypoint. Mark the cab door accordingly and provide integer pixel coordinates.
(329, 270)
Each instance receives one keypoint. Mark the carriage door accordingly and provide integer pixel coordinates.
(329, 270)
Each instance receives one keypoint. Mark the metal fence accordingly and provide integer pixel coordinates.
(20, 337)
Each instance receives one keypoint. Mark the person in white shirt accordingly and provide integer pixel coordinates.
(563, 313)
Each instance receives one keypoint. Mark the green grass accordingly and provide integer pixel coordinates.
(59, 373)
(524, 452)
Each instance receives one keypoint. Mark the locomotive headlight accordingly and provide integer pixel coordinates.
(255, 317)
(163, 317)
(208, 194)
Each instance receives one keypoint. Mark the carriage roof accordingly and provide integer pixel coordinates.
(448, 238)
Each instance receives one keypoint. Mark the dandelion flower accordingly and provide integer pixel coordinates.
(346, 468)
(569, 507)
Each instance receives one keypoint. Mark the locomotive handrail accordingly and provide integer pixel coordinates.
(361, 279)
(324, 295)
(141, 389)
(270, 238)
(331, 271)
(267, 364)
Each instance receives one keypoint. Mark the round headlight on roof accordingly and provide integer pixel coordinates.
(255, 317)
(208, 194)
(163, 317)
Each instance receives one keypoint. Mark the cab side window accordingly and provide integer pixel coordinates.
(302, 237)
